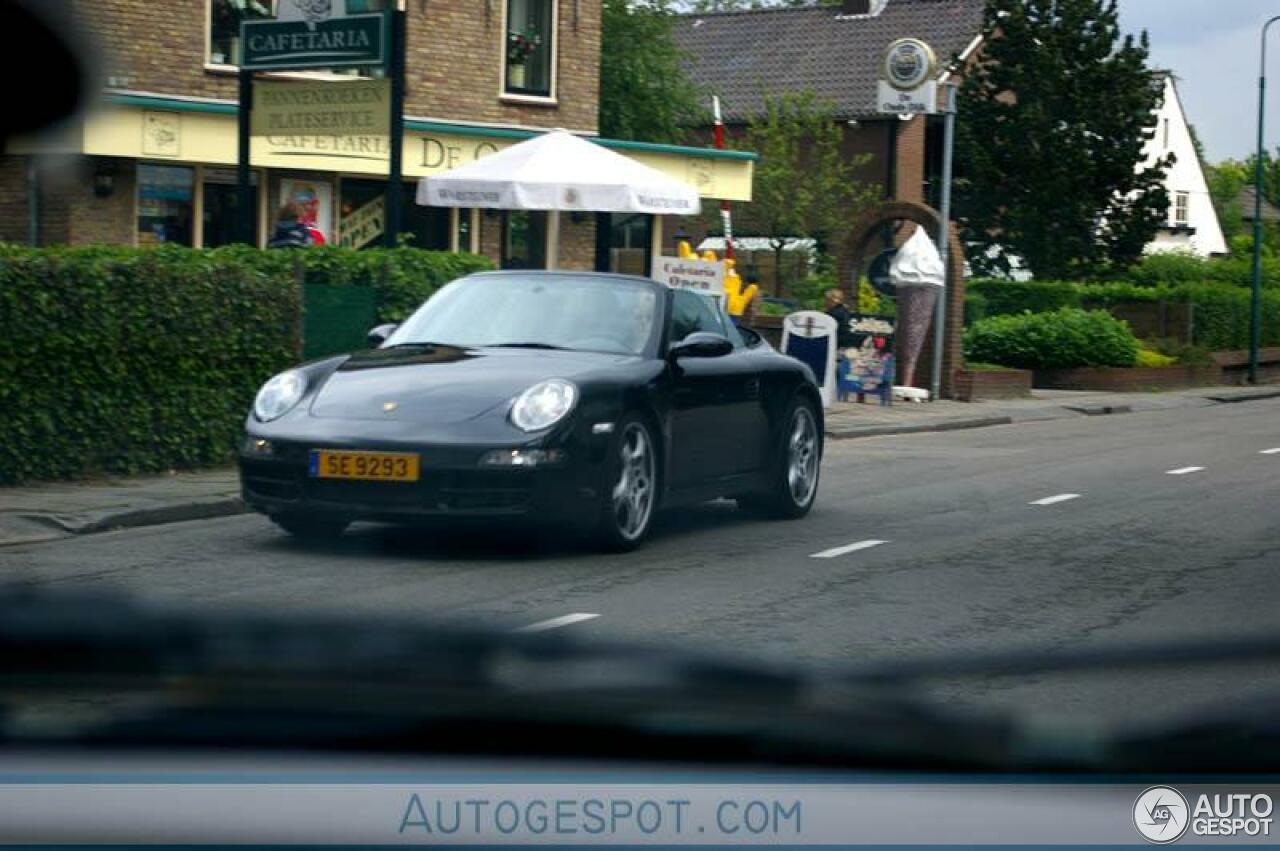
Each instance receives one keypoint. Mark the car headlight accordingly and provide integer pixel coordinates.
(278, 395)
(543, 405)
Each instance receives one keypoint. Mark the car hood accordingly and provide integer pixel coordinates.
(436, 385)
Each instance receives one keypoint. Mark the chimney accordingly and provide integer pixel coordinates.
(855, 7)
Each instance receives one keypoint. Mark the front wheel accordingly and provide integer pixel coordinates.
(632, 493)
(794, 481)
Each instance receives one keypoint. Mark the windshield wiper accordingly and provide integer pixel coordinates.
(525, 346)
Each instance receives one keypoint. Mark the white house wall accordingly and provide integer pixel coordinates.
(1185, 175)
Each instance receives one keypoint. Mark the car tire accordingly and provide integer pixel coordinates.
(793, 483)
(631, 489)
(312, 527)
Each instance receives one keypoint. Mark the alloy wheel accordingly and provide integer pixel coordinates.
(634, 492)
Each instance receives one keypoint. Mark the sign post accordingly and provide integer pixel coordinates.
(320, 36)
(395, 176)
(909, 87)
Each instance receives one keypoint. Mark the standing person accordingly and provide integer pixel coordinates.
(291, 232)
(836, 310)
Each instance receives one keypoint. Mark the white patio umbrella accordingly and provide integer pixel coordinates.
(557, 172)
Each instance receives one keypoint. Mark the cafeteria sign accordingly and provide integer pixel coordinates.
(358, 108)
(702, 276)
(317, 41)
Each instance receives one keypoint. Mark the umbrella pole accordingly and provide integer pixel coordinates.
(553, 239)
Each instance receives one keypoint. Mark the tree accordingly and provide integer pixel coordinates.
(804, 187)
(1052, 122)
(644, 93)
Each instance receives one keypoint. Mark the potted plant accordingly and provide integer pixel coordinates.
(520, 46)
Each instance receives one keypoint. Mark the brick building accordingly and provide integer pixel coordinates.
(154, 161)
(836, 51)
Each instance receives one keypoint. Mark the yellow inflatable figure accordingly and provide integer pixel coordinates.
(737, 298)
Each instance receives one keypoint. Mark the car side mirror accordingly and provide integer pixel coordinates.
(701, 344)
(378, 336)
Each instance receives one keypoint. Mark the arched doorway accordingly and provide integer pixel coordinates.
(853, 259)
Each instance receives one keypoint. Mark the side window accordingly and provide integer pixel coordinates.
(691, 312)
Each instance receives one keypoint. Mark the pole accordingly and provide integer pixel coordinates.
(726, 214)
(944, 236)
(395, 176)
(1255, 294)
(244, 191)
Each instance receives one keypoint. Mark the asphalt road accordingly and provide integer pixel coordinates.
(952, 554)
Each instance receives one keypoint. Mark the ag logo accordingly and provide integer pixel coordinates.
(1161, 814)
(310, 11)
(908, 64)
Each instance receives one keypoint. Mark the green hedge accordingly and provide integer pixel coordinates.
(1062, 339)
(1004, 298)
(1221, 320)
(119, 360)
(403, 277)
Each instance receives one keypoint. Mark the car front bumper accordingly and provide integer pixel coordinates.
(276, 479)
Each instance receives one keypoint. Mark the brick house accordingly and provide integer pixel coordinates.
(154, 161)
(836, 52)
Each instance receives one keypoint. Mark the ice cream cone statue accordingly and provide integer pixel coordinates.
(919, 276)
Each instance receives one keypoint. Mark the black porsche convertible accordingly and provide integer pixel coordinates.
(578, 399)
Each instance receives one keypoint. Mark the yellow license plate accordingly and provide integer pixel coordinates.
(369, 466)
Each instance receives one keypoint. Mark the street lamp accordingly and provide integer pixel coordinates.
(1255, 301)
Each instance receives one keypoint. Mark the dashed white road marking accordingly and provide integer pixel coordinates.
(1182, 471)
(556, 623)
(1054, 500)
(1275, 451)
(849, 548)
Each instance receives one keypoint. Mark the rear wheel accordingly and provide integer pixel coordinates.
(312, 527)
(794, 481)
(632, 494)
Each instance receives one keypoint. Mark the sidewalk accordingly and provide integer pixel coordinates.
(46, 512)
(850, 419)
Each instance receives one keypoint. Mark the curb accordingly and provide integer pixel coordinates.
(1228, 399)
(35, 528)
(1099, 410)
(848, 433)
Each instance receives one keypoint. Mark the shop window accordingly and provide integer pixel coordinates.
(221, 197)
(524, 240)
(224, 26)
(465, 230)
(362, 217)
(623, 243)
(166, 204)
(530, 49)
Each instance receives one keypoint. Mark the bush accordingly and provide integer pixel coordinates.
(975, 307)
(121, 360)
(1148, 358)
(1010, 297)
(1062, 339)
(403, 277)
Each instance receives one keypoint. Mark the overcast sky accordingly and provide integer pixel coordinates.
(1212, 47)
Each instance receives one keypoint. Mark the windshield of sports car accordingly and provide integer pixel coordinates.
(537, 311)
